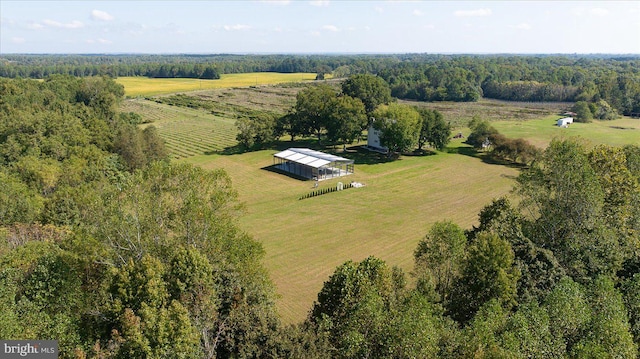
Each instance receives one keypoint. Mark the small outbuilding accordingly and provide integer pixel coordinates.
(564, 122)
(311, 164)
(373, 140)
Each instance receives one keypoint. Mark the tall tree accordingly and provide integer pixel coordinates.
(608, 335)
(583, 112)
(313, 107)
(438, 258)
(399, 127)
(347, 119)
(567, 217)
(372, 90)
(481, 131)
(434, 131)
(488, 273)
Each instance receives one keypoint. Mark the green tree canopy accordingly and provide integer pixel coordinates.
(439, 257)
(481, 131)
(583, 112)
(313, 108)
(434, 131)
(399, 127)
(372, 90)
(347, 120)
(488, 273)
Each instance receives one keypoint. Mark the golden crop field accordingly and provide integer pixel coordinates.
(144, 86)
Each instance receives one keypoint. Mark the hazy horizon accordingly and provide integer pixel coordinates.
(320, 27)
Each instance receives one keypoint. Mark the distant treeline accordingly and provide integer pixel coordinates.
(423, 77)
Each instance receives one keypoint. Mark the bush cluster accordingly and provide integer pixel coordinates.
(322, 191)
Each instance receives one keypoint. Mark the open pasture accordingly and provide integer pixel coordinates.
(306, 239)
(541, 131)
(144, 86)
(459, 113)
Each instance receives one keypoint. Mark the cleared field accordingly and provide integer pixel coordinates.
(186, 132)
(144, 86)
(540, 131)
(305, 240)
(459, 113)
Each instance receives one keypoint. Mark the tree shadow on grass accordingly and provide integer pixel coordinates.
(485, 157)
(420, 153)
(276, 146)
(362, 156)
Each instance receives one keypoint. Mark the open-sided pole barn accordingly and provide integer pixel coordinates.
(311, 164)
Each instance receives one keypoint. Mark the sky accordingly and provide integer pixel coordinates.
(320, 26)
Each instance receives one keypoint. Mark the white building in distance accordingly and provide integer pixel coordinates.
(564, 122)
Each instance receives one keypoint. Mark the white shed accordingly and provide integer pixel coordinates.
(564, 122)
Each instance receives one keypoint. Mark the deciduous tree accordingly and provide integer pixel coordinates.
(488, 273)
(372, 90)
(399, 127)
(434, 130)
(439, 257)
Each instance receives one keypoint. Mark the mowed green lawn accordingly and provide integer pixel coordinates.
(305, 240)
(144, 86)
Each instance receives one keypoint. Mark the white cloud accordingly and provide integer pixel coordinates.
(35, 26)
(598, 11)
(319, 3)
(429, 26)
(522, 26)
(417, 12)
(577, 11)
(378, 9)
(100, 41)
(101, 15)
(18, 40)
(75, 24)
(277, 2)
(472, 13)
(331, 28)
(237, 27)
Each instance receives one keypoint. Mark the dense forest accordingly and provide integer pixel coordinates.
(604, 80)
(116, 252)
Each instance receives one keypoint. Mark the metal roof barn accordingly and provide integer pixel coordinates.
(311, 164)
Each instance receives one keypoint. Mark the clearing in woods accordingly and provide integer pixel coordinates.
(305, 240)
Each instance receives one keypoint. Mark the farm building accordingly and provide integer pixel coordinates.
(373, 140)
(311, 164)
(564, 122)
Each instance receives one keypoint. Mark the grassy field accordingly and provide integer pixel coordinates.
(186, 132)
(306, 239)
(143, 86)
(540, 131)
(458, 114)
